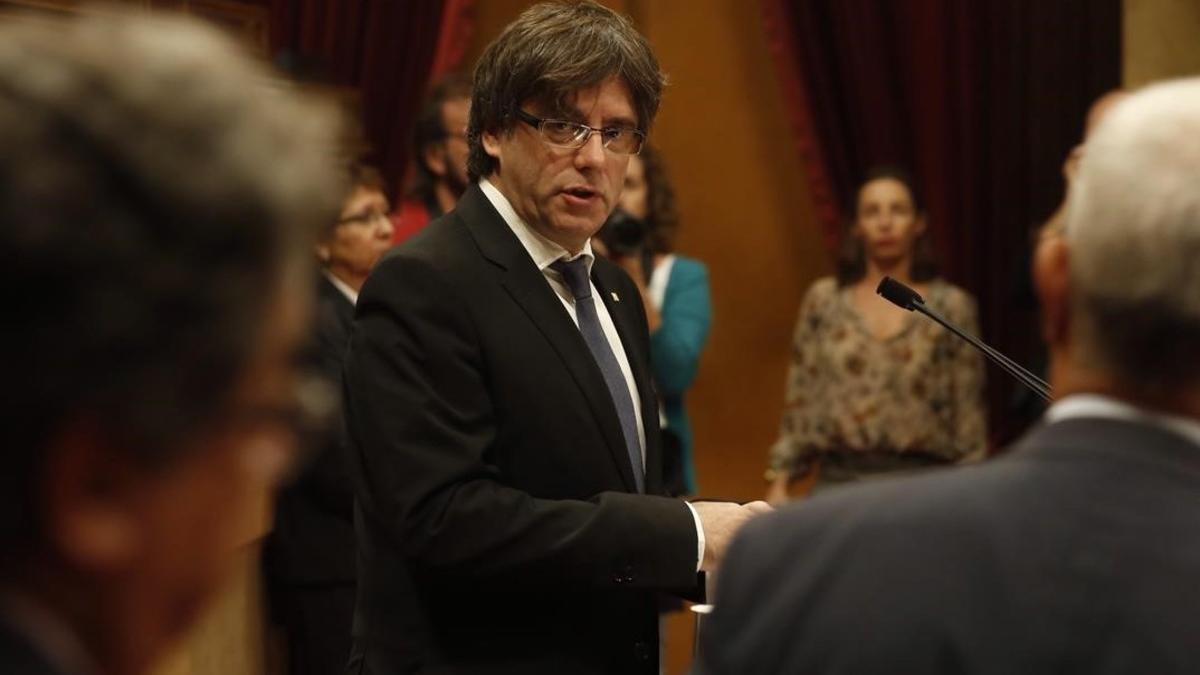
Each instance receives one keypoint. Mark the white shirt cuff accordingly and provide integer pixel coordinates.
(699, 537)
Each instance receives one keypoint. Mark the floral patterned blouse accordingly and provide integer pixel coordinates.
(848, 391)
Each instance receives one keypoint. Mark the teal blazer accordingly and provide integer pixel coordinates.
(676, 346)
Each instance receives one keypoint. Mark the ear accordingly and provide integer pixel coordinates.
(435, 159)
(1052, 281)
(491, 144)
(919, 224)
(323, 253)
(89, 497)
(1070, 167)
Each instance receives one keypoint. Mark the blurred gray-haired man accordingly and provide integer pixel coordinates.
(1079, 550)
(158, 208)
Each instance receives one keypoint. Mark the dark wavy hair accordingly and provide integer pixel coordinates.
(852, 258)
(662, 218)
(550, 52)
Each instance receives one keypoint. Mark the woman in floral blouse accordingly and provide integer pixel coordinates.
(872, 388)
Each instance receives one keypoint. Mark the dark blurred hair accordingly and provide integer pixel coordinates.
(359, 175)
(430, 128)
(662, 219)
(356, 175)
(852, 259)
(550, 52)
(154, 190)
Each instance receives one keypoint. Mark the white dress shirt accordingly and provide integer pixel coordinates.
(544, 253)
(659, 278)
(1096, 405)
(350, 293)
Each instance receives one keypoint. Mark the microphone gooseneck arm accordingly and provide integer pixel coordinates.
(906, 298)
(1037, 384)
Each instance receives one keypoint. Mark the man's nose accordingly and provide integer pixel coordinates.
(591, 153)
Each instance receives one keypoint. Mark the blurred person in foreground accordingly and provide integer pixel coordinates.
(439, 156)
(502, 422)
(873, 389)
(640, 237)
(1079, 550)
(156, 215)
(1025, 407)
(310, 554)
(1070, 169)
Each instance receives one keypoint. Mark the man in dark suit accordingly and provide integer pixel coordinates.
(310, 556)
(1079, 550)
(499, 406)
(147, 238)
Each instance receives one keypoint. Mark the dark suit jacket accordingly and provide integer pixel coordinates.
(496, 528)
(1077, 553)
(312, 542)
(19, 657)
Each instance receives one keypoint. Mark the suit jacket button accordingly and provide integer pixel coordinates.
(641, 650)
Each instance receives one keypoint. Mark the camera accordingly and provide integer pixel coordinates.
(623, 233)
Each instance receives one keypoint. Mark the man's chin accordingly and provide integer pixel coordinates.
(572, 232)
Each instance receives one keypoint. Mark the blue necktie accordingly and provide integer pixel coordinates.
(575, 274)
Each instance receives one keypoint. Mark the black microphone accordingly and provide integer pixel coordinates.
(906, 298)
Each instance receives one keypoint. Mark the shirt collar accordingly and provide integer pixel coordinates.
(350, 293)
(1096, 405)
(543, 251)
(50, 636)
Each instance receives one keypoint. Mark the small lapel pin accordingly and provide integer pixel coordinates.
(615, 297)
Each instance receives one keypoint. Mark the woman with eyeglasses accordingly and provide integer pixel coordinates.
(873, 389)
(310, 556)
(350, 247)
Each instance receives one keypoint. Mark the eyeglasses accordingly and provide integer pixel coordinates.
(368, 218)
(451, 134)
(308, 414)
(564, 134)
(1055, 227)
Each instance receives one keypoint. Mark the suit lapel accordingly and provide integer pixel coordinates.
(527, 286)
(20, 655)
(622, 310)
(343, 309)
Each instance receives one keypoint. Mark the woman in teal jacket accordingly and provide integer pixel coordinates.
(675, 348)
(675, 293)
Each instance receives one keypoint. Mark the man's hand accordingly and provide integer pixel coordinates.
(721, 521)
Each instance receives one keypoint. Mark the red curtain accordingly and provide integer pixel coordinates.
(385, 50)
(982, 100)
(458, 26)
